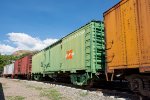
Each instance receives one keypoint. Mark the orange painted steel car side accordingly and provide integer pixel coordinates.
(127, 35)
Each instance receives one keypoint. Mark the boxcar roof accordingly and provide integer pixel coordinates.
(60, 40)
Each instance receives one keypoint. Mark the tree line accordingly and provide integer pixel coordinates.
(8, 59)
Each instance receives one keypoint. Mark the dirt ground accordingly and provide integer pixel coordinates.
(14, 89)
(17, 90)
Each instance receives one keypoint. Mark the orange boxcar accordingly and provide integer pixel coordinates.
(127, 28)
(127, 35)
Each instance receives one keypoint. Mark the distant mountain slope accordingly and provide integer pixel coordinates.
(21, 52)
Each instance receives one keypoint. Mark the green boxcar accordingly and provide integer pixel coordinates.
(86, 46)
(53, 58)
(81, 53)
(37, 65)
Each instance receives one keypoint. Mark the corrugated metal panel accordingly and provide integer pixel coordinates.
(23, 65)
(9, 69)
(5, 70)
(144, 36)
(37, 62)
(127, 34)
(55, 58)
(50, 59)
(16, 67)
(73, 51)
(82, 50)
(26, 64)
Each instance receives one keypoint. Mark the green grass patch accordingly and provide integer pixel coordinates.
(83, 94)
(51, 94)
(15, 98)
(17, 80)
(35, 87)
(3, 84)
(5, 87)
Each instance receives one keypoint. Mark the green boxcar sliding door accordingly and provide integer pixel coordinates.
(37, 62)
(53, 58)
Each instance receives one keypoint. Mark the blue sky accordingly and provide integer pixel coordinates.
(46, 19)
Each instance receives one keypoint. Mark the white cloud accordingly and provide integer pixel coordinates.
(4, 49)
(23, 41)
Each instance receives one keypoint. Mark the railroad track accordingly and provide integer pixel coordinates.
(114, 92)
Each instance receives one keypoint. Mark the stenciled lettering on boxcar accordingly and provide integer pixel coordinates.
(45, 65)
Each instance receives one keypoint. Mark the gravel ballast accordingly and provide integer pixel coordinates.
(15, 89)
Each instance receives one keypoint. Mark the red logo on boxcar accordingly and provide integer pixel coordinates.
(69, 54)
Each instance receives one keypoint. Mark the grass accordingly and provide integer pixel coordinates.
(35, 87)
(51, 94)
(15, 98)
(17, 80)
(4, 86)
(83, 94)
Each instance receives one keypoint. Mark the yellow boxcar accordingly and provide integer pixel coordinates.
(127, 29)
(127, 35)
